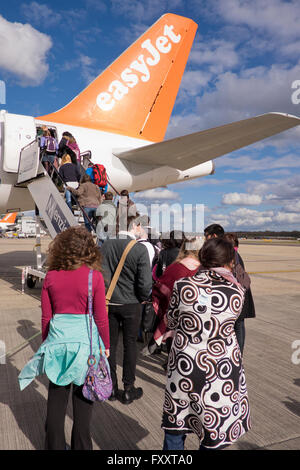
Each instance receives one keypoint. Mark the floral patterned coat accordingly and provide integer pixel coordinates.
(206, 389)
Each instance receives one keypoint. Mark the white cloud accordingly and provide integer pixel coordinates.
(221, 219)
(277, 190)
(237, 96)
(241, 199)
(41, 14)
(250, 219)
(277, 17)
(130, 33)
(85, 64)
(83, 37)
(145, 10)
(292, 206)
(287, 218)
(247, 163)
(73, 18)
(157, 194)
(24, 52)
(97, 5)
(291, 49)
(254, 91)
(244, 219)
(217, 54)
(194, 81)
(205, 182)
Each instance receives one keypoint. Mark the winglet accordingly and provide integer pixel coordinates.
(135, 95)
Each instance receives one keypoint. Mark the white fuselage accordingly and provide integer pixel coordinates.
(4, 226)
(102, 145)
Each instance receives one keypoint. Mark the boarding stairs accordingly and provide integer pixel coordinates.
(52, 212)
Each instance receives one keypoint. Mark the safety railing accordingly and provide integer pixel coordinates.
(58, 181)
(86, 161)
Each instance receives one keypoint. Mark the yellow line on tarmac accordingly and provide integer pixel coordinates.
(19, 346)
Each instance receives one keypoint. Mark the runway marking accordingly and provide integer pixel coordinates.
(15, 349)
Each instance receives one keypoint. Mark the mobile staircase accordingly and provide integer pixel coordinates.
(52, 212)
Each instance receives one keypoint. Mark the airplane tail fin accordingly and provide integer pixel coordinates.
(135, 95)
(9, 218)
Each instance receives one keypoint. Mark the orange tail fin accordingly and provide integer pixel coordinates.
(9, 218)
(135, 95)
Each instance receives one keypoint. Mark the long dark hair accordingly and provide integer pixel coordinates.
(175, 239)
(216, 252)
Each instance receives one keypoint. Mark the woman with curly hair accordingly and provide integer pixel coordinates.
(65, 333)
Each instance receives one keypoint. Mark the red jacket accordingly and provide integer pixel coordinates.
(162, 291)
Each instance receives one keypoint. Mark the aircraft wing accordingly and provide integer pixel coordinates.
(192, 149)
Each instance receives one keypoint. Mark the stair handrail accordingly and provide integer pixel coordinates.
(90, 161)
(54, 170)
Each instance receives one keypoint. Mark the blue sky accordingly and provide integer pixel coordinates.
(244, 61)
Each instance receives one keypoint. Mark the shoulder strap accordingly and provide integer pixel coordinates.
(90, 304)
(164, 261)
(118, 270)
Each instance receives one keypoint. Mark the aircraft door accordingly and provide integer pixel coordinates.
(19, 131)
(1, 145)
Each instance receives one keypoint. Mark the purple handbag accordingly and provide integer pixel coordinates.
(98, 383)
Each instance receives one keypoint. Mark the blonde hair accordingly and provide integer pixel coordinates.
(190, 247)
(66, 159)
(71, 139)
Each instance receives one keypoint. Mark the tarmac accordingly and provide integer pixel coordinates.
(271, 361)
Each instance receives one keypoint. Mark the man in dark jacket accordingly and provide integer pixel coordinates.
(133, 288)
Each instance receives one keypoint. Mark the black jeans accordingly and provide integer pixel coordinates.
(240, 333)
(128, 317)
(55, 421)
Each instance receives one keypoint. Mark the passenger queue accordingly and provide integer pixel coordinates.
(195, 292)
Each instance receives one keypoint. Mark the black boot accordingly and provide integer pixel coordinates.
(131, 394)
(114, 394)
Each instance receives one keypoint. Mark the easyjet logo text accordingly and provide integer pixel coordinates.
(139, 69)
(56, 216)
